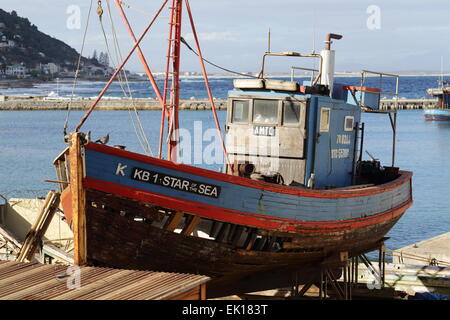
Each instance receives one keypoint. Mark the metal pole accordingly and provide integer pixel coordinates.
(362, 142)
(394, 136)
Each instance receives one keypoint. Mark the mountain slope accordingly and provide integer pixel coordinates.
(25, 43)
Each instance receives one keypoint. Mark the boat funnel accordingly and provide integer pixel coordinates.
(327, 77)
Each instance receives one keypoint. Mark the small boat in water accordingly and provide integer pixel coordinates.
(442, 110)
(294, 191)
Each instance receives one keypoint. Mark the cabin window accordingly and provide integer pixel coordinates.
(265, 111)
(324, 119)
(291, 112)
(348, 123)
(240, 111)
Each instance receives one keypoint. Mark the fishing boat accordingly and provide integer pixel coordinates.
(294, 190)
(442, 110)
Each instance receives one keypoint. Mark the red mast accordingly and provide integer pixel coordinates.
(170, 106)
(173, 59)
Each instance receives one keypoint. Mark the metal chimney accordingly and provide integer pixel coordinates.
(328, 55)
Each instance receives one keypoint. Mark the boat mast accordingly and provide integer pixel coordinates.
(173, 59)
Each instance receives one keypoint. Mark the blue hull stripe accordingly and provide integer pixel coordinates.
(111, 168)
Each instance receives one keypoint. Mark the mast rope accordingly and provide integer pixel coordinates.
(208, 89)
(133, 8)
(140, 132)
(215, 65)
(143, 141)
(102, 93)
(69, 107)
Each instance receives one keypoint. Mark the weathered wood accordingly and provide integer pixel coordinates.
(189, 228)
(78, 200)
(117, 240)
(223, 232)
(57, 253)
(10, 239)
(248, 245)
(203, 292)
(237, 236)
(192, 294)
(34, 237)
(174, 221)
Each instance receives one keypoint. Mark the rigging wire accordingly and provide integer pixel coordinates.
(140, 132)
(215, 65)
(77, 70)
(133, 8)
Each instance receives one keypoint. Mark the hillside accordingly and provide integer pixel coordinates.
(21, 41)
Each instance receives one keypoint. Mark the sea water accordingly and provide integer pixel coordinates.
(411, 87)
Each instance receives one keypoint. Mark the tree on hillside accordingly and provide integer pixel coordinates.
(103, 59)
(94, 56)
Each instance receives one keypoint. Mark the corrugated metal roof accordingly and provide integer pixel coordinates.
(33, 281)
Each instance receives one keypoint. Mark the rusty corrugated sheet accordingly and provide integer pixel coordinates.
(32, 281)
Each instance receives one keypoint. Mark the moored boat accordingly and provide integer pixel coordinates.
(442, 110)
(295, 190)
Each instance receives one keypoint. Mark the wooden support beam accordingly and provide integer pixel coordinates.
(237, 235)
(214, 228)
(34, 237)
(189, 227)
(78, 199)
(305, 288)
(250, 240)
(223, 232)
(174, 221)
(203, 291)
(338, 290)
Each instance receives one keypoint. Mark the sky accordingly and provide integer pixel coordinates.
(386, 36)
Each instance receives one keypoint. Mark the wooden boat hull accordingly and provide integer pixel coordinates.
(243, 229)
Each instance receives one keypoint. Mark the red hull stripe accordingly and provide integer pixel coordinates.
(405, 176)
(361, 89)
(243, 218)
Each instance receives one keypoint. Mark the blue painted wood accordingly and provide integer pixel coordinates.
(437, 114)
(322, 147)
(104, 167)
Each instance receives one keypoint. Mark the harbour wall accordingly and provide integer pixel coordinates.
(33, 103)
(104, 104)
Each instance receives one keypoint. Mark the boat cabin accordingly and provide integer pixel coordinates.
(278, 132)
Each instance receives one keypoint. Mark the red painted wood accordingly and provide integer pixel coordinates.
(66, 202)
(405, 176)
(361, 88)
(244, 218)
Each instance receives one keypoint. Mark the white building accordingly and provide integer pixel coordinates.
(16, 70)
(50, 68)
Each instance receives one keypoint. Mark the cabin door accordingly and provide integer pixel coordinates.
(334, 146)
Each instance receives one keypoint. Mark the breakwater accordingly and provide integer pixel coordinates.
(104, 104)
(40, 103)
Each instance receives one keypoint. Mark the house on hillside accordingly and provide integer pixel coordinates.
(49, 68)
(16, 70)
